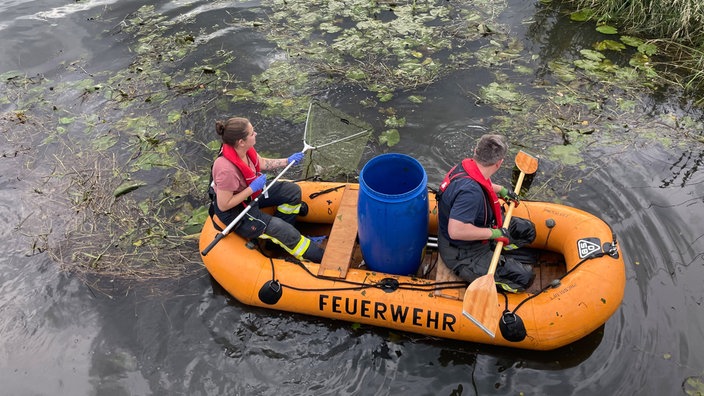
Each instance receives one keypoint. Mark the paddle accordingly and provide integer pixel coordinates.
(481, 299)
(306, 147)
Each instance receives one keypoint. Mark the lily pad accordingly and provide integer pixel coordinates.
(632, 41)
(592, 55)
(606, 29)
(390, 137)
(416, 99)
(498, 93)
(174, 116)
(394, 122)
(648, 49)
(582, 15)
(104, 142)
(609, 45)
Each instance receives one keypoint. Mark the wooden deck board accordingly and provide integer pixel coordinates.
(549, 267)
(444, 274)
(338, 251)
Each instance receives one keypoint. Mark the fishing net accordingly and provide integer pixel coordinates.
(339, 139)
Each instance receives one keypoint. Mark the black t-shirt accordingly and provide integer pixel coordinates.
(464, 200)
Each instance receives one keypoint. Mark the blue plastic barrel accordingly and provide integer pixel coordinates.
(392, 213)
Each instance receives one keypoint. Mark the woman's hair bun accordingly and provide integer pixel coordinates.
(219, 127)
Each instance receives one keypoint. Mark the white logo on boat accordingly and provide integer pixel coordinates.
(588, 246)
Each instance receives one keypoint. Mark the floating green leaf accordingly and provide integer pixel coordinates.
(606, 29)
(127, 187)
(694, 386)
(639, 60)
(393, 122)
(500, 93)
(631, 41)
(214, 145)
(582, 15)
(592, 55)
(562, 71)
(586, 64)
(648, 49)
(390, 137)
(565, 99)
(567, 154)
(104, 142)
(356, 74)
(416, 99)
(174, 116)
(385, 97)
(239, 94)
(609, 45)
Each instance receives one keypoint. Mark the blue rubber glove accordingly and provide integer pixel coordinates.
(500, 235)
(258, 183)
(509, 196)
(296, 158)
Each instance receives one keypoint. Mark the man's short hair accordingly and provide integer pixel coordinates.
(490, 149)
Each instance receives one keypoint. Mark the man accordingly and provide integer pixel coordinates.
(471, 222)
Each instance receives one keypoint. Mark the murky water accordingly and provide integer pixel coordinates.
(65, 336)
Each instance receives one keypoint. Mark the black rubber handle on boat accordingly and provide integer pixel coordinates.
(214, 242)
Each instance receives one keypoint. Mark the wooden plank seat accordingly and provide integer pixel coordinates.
(444, 274)
(340, 246)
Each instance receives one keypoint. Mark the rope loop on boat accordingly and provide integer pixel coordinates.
(511, 325)
(609, 248)
(329, 190)
(389, 285)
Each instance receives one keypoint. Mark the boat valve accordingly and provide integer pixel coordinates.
(611, 248)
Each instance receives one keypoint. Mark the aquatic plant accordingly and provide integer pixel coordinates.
(678, 35)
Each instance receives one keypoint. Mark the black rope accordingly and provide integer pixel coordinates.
(273, 269)
(432, 286)
(327, 191)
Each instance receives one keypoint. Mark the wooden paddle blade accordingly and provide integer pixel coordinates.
(526, 162)
(481, 304)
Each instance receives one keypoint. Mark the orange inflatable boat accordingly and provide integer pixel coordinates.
(579, 283)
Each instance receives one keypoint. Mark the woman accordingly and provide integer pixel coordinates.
(237, 181)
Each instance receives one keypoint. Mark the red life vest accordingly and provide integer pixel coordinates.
(472, 171)
(249, 175)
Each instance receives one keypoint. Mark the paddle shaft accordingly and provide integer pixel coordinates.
(507, 219)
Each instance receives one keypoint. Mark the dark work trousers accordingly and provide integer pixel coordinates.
(472, 261)
(279, 228)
